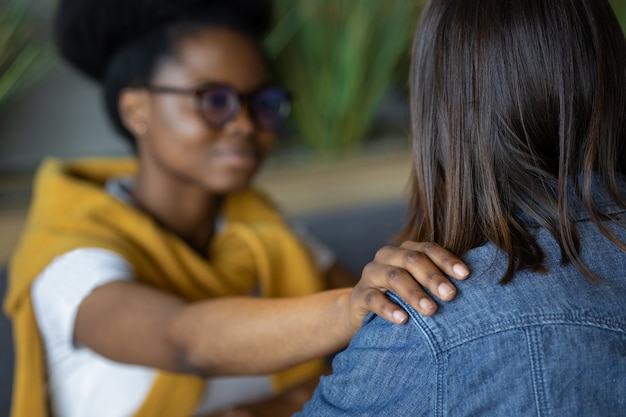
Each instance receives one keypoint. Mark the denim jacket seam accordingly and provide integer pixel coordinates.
(617, 324)
(530, 329)
(436, 350)
(537, 369)
(530, 322)
(441, 388)
(417, 319)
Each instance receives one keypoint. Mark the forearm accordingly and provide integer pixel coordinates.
(132, 323)
(231, 336)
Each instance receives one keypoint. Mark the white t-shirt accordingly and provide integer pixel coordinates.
(81, 382)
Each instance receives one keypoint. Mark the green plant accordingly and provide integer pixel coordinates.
(340, 57)
(620, 10)
(24, 53)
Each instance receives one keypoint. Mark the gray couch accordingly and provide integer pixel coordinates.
(354, 234)
(6, 354)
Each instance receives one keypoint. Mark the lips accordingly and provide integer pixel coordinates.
(244, 157)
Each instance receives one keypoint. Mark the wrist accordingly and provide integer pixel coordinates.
(348, 326)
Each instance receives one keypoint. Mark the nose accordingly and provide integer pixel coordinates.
(242, 123)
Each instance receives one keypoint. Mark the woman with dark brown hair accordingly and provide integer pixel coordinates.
(519, 134)
(166, 284)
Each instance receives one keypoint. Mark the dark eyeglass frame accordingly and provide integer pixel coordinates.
(242, 99)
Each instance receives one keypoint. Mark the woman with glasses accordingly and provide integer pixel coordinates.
(132, 288)
(520, 165)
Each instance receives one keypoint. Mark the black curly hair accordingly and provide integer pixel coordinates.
(118, 42)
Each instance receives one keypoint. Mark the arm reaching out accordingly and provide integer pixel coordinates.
(393, 268)
(133, 323)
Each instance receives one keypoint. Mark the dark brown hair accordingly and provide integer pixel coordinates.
(119, 43)
(515, 102)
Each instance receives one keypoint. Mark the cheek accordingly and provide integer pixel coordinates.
(266, 141)
(181, 124)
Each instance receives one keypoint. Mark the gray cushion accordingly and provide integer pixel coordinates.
(356, 233)
(6, 352)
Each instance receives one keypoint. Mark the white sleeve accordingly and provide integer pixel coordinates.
(81, 382)
(60, 289)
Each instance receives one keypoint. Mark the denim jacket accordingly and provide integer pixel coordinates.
(544, 345)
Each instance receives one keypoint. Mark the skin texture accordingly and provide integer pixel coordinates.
(185, 169)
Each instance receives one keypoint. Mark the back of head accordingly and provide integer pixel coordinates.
(514, 102)
(118, 42)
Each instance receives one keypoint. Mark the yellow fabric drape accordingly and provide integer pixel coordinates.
(70, 209)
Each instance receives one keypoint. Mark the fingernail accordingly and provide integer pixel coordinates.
(426, 305)
(460, 270)
(399, 316)
(445, 290)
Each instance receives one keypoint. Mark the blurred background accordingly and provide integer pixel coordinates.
(341, 163)
(345, 61)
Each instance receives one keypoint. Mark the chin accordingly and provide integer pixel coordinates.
(231, 185)
(229, 179)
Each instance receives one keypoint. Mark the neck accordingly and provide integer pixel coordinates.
(182, 208)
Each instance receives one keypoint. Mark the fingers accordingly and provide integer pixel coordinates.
(400, 264)
(408, 270)
(402, 283)
(414, 265)
(374, 300)
(446, 261)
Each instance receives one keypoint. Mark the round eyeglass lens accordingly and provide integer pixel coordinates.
(271, 107)
(219, 104)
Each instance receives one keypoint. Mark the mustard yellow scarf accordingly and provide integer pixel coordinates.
(70, 209)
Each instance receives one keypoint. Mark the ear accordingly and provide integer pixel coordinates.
(135, 111)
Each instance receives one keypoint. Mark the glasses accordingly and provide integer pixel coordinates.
(269, 106)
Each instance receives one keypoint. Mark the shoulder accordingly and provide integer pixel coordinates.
(484, 307)
(79, 271)
(387, 369)
(64, 283)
